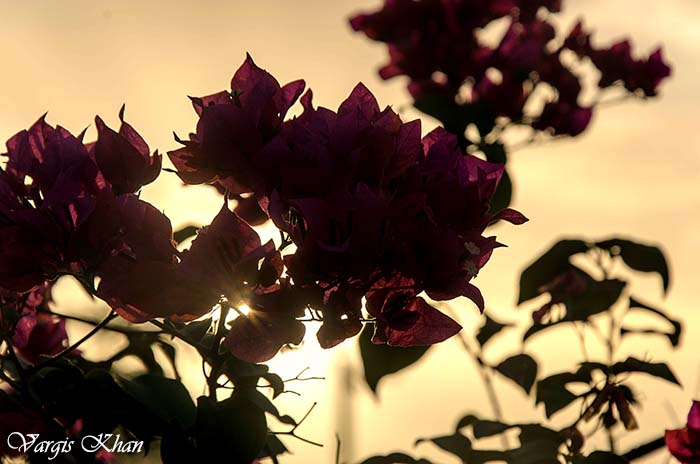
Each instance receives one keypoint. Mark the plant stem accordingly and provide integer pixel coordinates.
(93, 323)
(487, 379)
(645, 449)
(212, 380)
(77, 344)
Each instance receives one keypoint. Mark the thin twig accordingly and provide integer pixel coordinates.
(77, 344)
(93, 323)
(488, 385)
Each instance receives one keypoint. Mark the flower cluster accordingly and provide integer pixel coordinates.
(684, 444)
(60, 201)
(373, 210)
(439, 45)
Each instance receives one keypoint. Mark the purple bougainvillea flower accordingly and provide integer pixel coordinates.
(149, 278)
(60, 211)
(48, 192)
(272, 321)
(124, 157)
(684, 444)
(616, 64)
(233, 128)
(258, 336)
(382, 203)
(564, 118)
(38, 334)
(250, 211)
(649, 74)
(402, 319)
(225, 255)
(455, 74)
(20, 420)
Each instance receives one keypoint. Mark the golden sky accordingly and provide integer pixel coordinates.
(635, 172)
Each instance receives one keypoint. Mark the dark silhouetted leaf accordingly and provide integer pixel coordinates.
(495, 153)
(465, 421)
(640, 257)
(197, 329)
(456, 444)
(169, 351)
(552, 391)
(598, 297)
(673, 336)
(273, 447)
(382, 360)
(168, 399)
(57, 388)
(489, 329)
(233, 430)
(503, 196)
(184, 233)
(236, 369)
(395, 458)
(275, 382)
(660, 370)
(604, 457)
(548, 266)
(487, 428)
(538, 445)
(264, 404)
(521, 369)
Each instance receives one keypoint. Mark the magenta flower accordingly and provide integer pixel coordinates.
(233, 128)
(38, 334)
(564, 118)
(383, 205)
(458, 78)
(48, 192)
(124, 157)
(149, 278)
(684, 444)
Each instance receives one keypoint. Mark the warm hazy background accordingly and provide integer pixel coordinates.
(636, 172)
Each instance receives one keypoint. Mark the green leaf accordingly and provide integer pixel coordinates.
(548, 266)
(660, 370)
(640, 257)
(490, 328)
(382, 360)
(184, 233)
(168, 399)
(521, 369)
